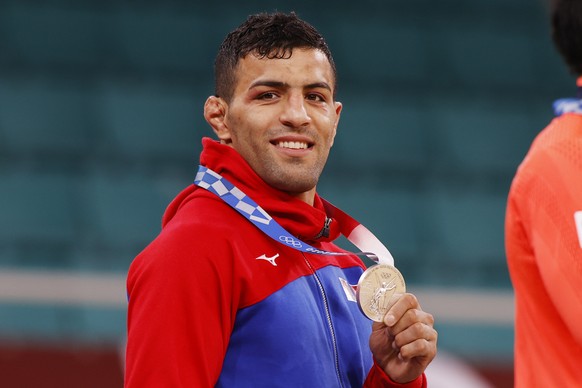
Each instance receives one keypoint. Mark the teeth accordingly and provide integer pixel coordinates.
(296, 145)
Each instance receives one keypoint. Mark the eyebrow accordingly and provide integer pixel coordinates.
(282, 85)
(318, 85)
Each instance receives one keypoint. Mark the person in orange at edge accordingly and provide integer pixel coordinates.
(216, 302)
(543, 235)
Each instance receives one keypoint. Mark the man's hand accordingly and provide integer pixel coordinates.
(405, 343)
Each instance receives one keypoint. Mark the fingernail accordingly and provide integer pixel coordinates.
(389, 320)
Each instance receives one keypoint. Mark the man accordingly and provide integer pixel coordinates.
(214, 300)
(543, 234)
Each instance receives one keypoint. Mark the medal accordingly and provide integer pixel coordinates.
(375, 288)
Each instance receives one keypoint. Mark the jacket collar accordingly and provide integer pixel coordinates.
(297, 217)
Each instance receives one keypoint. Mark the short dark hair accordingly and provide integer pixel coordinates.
(268, 36)
(566, 19)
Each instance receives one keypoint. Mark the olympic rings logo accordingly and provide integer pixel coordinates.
(290, 241)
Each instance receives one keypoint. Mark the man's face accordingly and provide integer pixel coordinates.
(282, 118)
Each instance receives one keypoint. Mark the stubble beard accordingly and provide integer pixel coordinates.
(294, 177)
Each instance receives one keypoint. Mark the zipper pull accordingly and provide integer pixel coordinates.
(325, 231)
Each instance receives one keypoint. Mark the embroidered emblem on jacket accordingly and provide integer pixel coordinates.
(349, 290)
(269, 259)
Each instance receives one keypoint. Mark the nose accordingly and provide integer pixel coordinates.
(294, 113)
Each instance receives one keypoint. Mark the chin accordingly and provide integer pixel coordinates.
(293, 186)
(294, 179)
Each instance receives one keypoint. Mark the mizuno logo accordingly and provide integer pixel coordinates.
(269, 259)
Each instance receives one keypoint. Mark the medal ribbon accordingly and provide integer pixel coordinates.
(355, 232)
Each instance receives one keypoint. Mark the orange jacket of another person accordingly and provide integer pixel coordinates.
(543, 238)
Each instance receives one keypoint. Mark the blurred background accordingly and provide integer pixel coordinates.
(100, 126)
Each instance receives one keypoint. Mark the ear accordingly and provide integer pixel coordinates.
(338, 110)
(215, 109)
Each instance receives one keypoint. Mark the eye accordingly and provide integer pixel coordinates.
(267, 96)
(315, 97)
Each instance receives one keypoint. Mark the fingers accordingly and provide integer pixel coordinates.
(410, 327)
(417, 340)
(404, 310)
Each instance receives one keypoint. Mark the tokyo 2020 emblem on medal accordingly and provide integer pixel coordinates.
(375, 288)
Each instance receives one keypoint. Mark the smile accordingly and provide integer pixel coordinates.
(294, 145)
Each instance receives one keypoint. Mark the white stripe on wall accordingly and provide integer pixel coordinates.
(467, 306)
(62, 288)
(458, 306)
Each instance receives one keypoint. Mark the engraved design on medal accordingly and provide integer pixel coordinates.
(375, 288)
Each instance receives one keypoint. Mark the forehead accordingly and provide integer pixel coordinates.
(303, 67)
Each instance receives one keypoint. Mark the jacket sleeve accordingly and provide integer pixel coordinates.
(181, 312)
(378, 379)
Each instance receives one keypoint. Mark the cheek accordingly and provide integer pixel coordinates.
(247, 120)
(236, 125)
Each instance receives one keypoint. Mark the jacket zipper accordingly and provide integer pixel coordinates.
(328, 317)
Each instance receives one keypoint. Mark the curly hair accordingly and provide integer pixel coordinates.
(566, 23)
(268, 36)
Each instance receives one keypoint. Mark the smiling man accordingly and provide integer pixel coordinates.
(226, 295)
(281, 118)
